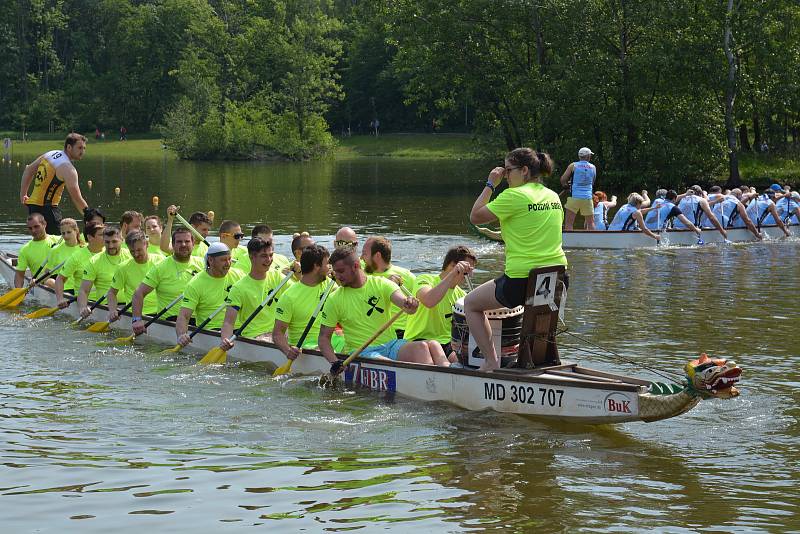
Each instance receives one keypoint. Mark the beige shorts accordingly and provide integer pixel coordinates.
(584, 206)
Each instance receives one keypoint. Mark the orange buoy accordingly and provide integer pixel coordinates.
(155, 202)
(116, 191)
(89, 183)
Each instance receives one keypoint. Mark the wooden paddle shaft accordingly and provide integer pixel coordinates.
(191, 229)
(314, 315)
(374, 336)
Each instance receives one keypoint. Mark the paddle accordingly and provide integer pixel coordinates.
(19, 293)
(208, 319)
(217, 355)
(103, 326)
(192, 229)
(286, 367)
(129, 339)
(46, 312)
(16, 295)
(91, 309)
(330, 378)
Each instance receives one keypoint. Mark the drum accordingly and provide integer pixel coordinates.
(506, 325)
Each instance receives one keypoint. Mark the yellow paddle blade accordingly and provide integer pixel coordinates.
(16, 301)
(284, 369)
(101, 326)
(215, 355)
(128, 339)
(41, 312)
(12, 295)
(176, 348)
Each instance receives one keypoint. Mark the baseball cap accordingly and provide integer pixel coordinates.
(776, 188)
(217, 249)
(585, 151)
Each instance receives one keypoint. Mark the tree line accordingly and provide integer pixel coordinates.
(661, 90)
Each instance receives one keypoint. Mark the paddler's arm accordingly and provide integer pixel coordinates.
(83, 298)
(61, 302)
(226, 331)
(166, 235)
(27, 178)
(646, 198)
(637, 215)
(111, 301)
(775, 215)
(182, 326)
(325, 345)
(431, 296)
(747, 221)
(282, 341)
(480, 214)
(19, 278)
(408, 304)
(712, 217)
(136, 308)
(567, 174)
(69, 175)
(688, 224)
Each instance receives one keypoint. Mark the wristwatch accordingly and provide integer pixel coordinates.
(135, 319)
(490, 185)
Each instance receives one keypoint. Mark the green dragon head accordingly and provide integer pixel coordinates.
(713, 378)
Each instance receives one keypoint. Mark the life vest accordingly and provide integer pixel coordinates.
(624, 220)
(658, 218)
(583, 174)
(690, 206)
(600, 216)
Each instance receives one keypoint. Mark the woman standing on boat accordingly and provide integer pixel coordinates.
(530, 218)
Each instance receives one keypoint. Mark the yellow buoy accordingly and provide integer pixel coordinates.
(155, 202)
(89, 183)
(116, 191)
(211, 215)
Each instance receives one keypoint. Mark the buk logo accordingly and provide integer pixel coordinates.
(618, 403)
(373, 302)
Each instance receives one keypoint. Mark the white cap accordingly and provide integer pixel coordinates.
(217, 249)
(585, 151)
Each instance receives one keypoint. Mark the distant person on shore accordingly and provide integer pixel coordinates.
(580, 177)
(601, 207)
(97, 133)
(50, 173)
(764, 147)
(123, 133)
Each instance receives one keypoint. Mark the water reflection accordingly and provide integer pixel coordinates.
(124, 436)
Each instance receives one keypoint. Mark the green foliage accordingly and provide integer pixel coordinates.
(644, 83)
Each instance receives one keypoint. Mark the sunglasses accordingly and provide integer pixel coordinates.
(344, 243)
(240, 235)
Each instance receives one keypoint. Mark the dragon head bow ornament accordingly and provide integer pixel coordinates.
(713, 377)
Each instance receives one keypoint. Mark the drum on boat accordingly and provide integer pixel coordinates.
(506, 325)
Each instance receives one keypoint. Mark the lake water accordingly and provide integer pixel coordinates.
(94, 438)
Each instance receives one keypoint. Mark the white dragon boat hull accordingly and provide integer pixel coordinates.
(622, 240)
(566, 392)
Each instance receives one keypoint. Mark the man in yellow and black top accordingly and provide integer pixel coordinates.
(50, 173)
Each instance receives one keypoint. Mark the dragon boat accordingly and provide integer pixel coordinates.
(540, 385)
(625, 239)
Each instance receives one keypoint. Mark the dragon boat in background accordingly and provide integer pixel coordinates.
(539, 385)
(624, 239)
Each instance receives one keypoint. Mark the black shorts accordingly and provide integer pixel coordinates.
(52, 216)
(510, 292)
